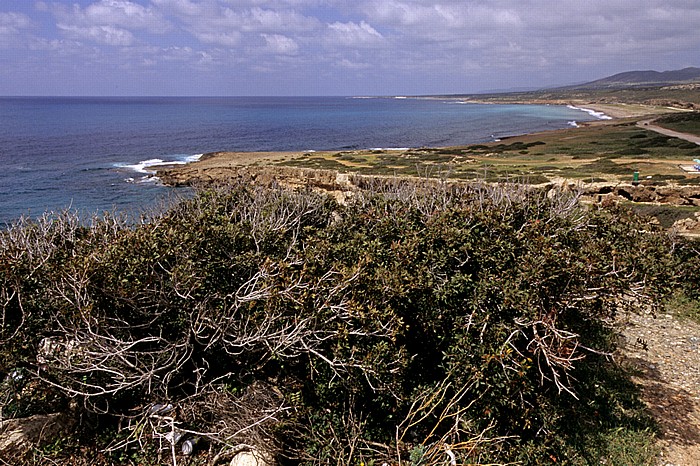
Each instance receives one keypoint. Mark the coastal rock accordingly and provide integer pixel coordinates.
(17, 436)
(229, 167)
(688, 225)
(670, 195)
(643, 194)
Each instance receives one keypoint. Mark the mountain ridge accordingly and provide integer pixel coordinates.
(641, 79)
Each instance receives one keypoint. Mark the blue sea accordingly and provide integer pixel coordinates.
(97, 154)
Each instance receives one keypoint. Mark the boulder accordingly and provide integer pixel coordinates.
(17, 436)
(249, 458)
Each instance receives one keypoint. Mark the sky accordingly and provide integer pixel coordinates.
(334, 47)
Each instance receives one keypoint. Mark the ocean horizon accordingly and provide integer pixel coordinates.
(96, 154)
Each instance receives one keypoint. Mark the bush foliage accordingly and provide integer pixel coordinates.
(417, 324)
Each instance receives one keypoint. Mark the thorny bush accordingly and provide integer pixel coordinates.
(420, 323)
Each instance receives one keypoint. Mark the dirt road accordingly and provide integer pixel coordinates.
(648, 124)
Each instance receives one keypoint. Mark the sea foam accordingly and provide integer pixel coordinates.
(593, 113)
(149, 167)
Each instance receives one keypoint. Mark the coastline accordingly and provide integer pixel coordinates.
(221, 165)
(552, 159)
(612, 110)
(618, 111)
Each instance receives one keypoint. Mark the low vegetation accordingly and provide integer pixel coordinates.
(683, 122)
(609, 152)
(659, 98)
(421, 324)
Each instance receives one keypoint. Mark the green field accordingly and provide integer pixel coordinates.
(597, 152)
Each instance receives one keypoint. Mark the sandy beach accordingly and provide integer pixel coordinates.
(623, 110)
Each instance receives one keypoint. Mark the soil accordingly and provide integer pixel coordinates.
(664, 352)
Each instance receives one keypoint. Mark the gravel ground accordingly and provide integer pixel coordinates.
(666, 353)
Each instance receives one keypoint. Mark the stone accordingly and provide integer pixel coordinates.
(249, 458)
(17, 436)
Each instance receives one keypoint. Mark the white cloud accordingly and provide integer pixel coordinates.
(283, 3)
(12, 23)
(280, 45)
(108, 22)
(205, 59)
(180, 7)
(442, 20)
(241, 24)
(13, 28)
(59, 47)
(490, 41)
(122, 13)
(226, 39)
(176, 53)
(353, 34)
(399, 13)
(533, 36)
(351, 65)
(107, 35)
(276, 21)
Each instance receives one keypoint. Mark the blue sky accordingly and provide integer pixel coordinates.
(333, 47)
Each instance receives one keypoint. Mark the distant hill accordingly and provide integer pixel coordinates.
(678, 88)
(642, 79)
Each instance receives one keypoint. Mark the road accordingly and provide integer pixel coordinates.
(647, 124)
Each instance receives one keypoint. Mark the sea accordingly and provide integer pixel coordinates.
(99, 154)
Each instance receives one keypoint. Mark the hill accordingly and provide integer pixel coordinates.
(628, 94)
(642, 79)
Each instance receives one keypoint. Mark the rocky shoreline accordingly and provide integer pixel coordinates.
(332, 180)
(343, 185)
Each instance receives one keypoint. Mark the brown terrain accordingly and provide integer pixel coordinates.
(222, 167)
(664, 352)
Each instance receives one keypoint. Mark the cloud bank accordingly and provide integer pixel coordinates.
(289, 47)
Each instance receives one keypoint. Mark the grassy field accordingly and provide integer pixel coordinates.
(609, 152)
(684, 122)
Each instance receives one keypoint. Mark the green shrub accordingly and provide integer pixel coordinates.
(418, 318)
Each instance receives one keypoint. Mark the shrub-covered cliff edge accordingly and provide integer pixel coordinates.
(414, 325)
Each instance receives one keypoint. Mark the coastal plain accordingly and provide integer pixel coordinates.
(625, 158)
(606, 150)
(603, 151)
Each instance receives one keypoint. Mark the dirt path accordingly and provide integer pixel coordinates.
(666, 353)
(647, 124)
